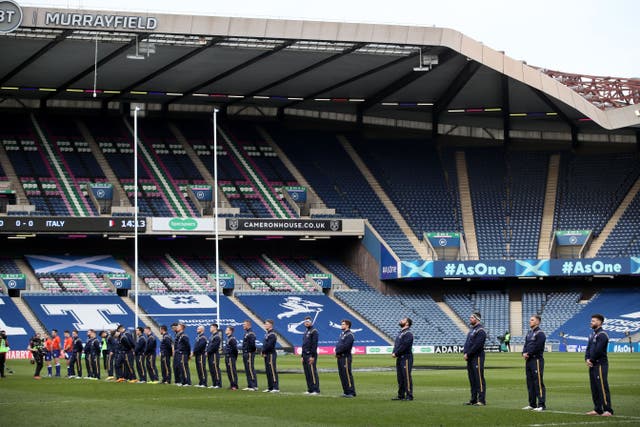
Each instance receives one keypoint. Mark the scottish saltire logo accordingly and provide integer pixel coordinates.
(43, 264)
(188, 302)
(416, 269)
(635, 265)
(532, 267)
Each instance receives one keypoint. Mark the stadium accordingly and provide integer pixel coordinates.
(159, 169)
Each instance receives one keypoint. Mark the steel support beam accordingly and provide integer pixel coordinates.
(232, 71)
(506, 110)
(456, 85)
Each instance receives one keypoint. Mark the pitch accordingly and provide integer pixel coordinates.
(440, 389)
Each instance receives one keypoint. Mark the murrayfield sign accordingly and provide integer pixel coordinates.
(115, 22)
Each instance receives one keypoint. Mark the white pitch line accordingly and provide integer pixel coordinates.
(618, 417)
(578, 423)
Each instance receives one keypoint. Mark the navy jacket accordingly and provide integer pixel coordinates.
(88, 347)
(126, 342)
(96, 347)
(310, 342)
(404, 343)
(213, 345)
(112, 344)
(249, 342)
(166, 345)
(534, 342)
(200, 346)
(474, 346)
(597, 347)
(141, 345)
(77, 345)
(152, 344)
(183, 346)
(231, 349)
(345, 343)
(270, 340)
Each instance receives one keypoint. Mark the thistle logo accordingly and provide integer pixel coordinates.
(10, 16)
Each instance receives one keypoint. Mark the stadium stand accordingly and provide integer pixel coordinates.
(337, 181)
(74, 283)
(412, 174)
(624, 240)
(170, 273)
(492, 305)
(508, 199)
(264, 273)
(590, 188)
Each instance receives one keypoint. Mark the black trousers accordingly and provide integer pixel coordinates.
(165, 368)
(214, 369)
(272, 370)
(311, 374)
(250, 369)
(201, 368)
(129, 368)
(150, 364)
(140, 367)
(3, 359)
(105, 359)
(475, 371)
(38, 358)
(94, 361)
(88, 365)
(404, 365)
(598, 376)
(346, 377)
(185, 373)
(111, 358)
(232, 373)
(534, 368)
(75, 364)
(177, 370)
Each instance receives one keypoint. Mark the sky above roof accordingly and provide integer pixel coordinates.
(583, 37)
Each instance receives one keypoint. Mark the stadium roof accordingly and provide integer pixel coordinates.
(336, 68)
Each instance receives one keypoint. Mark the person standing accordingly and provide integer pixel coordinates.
(532, 352)
(507, 340)
(112, 346)
(474, 355)
(213, 356)
(67, 349)
(343, 355)
(249, 356)
(48, 353)
(177, 371)
(55, 351)
(75, 361)
(270, 357)
(200, 354)
(310, 357)
(4, 349)
(150, 356)
(403, 353)
(183, 351)
(94, 353)
(598, 363)
(36, 347)
(87, 356)
(230, 357)
(104, 349)
(166, 351)
(140, 349)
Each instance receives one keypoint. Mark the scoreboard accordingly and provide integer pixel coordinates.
(60, 224)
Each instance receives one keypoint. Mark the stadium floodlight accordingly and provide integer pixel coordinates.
(426, 62)
(137, 54)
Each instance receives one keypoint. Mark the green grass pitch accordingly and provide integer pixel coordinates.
(440, 389)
